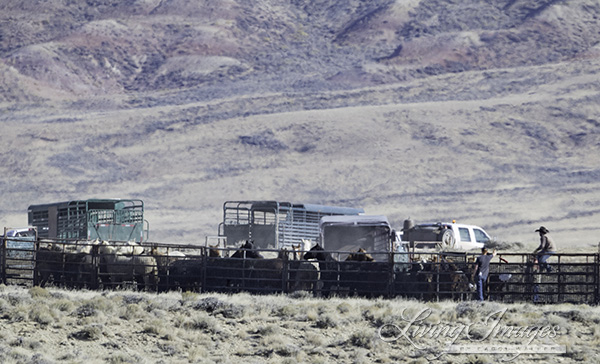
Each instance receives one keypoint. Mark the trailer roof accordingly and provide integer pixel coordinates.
(99, 201)
(333, 209)
(267, 205)
(360, 220)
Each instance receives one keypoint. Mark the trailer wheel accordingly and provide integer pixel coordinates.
(446, 238)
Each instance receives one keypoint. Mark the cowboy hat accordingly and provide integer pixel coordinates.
(542, 230)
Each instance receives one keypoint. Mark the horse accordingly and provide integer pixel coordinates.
(188, 273)
(48, 264)
(266, 275)
(247, 269)
(420, 280)
(140, 269)
(79, 266)
(454, 278)
(254, 272)
(361, 275)
(247, 251)
(213, 251)
(303, 275)
(328, 270)
(222, 273)
(498, 283)
(437, 277)
(360, 255)
(164, 260)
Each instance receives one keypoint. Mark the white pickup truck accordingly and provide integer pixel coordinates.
(19, 243)
(444, 235)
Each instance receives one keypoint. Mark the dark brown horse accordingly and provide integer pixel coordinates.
(49, 265)
(234, 273)
(361, 275)
(360, 255)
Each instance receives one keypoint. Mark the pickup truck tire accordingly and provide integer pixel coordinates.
(446, 238)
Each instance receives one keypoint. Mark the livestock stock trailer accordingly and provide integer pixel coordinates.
(104, 219)
(274, 224)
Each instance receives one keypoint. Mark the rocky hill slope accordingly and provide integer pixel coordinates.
(476, 111)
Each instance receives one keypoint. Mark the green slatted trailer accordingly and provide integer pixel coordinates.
(104, 219)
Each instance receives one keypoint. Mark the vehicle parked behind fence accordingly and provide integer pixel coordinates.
(444, 235)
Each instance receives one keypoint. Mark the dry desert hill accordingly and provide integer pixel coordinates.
(483, 112)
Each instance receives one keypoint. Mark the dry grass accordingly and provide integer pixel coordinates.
(52, 325)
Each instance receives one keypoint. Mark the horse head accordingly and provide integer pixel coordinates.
(297, 251)
(318, 253)
(213, 251)
(247, 251)
(361, 255)
(282, 254)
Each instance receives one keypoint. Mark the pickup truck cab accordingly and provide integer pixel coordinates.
(445, 235)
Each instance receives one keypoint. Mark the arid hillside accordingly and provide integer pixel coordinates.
(482, 112)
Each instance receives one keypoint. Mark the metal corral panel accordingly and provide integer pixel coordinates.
(105, 219)
(276, 224)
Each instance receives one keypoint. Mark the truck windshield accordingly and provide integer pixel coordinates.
(480, 236)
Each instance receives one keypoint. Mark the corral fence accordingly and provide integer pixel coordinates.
(423, 275)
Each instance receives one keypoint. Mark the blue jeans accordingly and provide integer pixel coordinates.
(480, 284)
(542, 258)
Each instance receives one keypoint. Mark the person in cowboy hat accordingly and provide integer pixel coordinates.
(546, 248)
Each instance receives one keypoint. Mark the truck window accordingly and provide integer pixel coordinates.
(480, 236)
(464, 234)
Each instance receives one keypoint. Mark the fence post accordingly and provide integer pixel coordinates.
(4, 259)
(391, 292)
(597, 274)
(284, 272)
(559, 281)
(437, 290)
(204, 268)
(95, 267)
(36, 249)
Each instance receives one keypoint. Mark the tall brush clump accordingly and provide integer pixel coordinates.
(42, 314)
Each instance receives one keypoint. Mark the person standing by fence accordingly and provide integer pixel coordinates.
(482, 270)
(545, 250)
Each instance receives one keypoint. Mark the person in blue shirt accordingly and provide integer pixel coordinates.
(482, 270)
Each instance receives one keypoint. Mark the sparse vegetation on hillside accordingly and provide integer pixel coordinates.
(52, 325)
